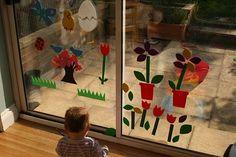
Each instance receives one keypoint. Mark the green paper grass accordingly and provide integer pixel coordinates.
(37, 81)
(91, 94)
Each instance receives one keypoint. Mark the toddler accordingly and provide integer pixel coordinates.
(75, 143)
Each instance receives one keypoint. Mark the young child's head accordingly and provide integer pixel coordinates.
(76, 120)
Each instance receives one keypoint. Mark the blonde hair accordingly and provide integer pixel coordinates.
(76, 119)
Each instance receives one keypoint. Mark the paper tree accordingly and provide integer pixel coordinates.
(70, 64)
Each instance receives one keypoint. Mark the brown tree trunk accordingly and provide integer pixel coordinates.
(69, 77)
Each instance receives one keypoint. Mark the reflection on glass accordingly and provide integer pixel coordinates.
(64, 59)
(179, 67)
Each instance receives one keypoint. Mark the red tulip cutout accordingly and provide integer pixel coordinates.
(157, 112)
(105, 49)
(171, 119)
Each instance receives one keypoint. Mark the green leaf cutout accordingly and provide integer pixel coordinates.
(175, 139)
(185, 129)
(137, 110)
(147, 125)
(128, 107)
(171, 84)
(139, 76)
(157, 79)
(182, 118)
(126, 121)
(131, 95)
(110, 132)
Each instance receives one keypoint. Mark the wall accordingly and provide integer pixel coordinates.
(6, 93)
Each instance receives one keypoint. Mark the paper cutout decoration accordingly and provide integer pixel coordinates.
(76, 51)
(133, 111)
(105, 49)
(94, 95)
(87, 16)
(184, 62)
(57, 48)
(175, 139)
(110, 132)
(157, 112)
(171, 119)
(147, 88)
(68, 21)
(145, 106)
(39, 44)
(47, 14)
(69, 63)
(147, 125)
(37, 81)
(126, 121)
(125, 87)
(184, 129)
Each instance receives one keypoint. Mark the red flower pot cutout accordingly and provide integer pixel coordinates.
(144, 54)
(179, 98)
(147, 90)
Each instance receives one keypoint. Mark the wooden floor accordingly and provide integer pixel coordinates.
(28, 139)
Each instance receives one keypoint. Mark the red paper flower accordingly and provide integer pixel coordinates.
(105, 49)
(158, 111)
(146, 105)
(64, 59)
(171, 118)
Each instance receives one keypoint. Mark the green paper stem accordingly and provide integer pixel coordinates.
(181, 77)
(170, 132)
(103, 69)
(132, 119)
(143, 118)
(155, 126)
(148, 69)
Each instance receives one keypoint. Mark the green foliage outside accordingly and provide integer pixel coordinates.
(218, 11)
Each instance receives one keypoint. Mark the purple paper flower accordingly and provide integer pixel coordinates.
(141, 51)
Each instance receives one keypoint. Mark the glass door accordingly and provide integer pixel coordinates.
(179, 66)
(67, 52)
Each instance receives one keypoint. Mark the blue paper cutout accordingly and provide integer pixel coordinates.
(47, 14)
(57, 48)
(76, 51)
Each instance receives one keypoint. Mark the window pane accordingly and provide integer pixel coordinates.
(179, 71)
(68, 56)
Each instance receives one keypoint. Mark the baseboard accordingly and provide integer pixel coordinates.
(8, 117)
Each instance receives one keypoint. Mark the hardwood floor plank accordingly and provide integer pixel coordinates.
(28, 139)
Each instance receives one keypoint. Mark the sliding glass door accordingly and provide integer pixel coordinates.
(179, 66)
(67, 52)
(170, 87)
